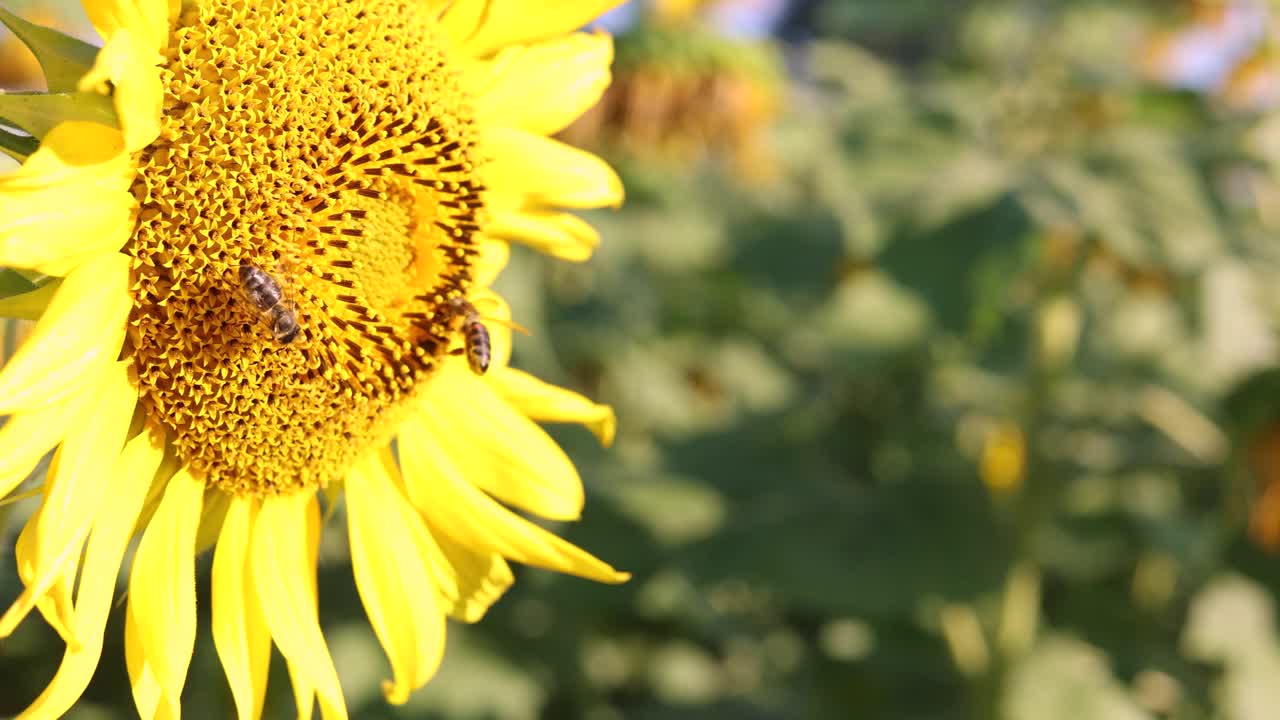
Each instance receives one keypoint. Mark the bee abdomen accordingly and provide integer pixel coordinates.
(284, 324)
(478, 347)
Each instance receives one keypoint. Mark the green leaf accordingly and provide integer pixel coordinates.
(63, 58)
(17, 146)
(38, 113)
(13, 283)
(28, 305)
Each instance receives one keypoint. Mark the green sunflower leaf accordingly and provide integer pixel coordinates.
(38, 113)
(28, 304)
(17, 146)
(13, 283)
(63, 58)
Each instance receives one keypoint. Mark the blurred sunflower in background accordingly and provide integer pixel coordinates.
(695, 81)
(258, 239)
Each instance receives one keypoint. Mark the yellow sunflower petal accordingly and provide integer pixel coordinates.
(435, 481)
(147, 20)
(136, 87)
(503, 452)
(75, 490)
(112, 529)
(55, 604)
(27, 436)
(482, 578)
(557, 234)
(511, 22)
(387, 558)
(239, 628)
(79, 334)
(542, 88)
(212, 514)
(39, 228)
(304, 693)
(286, 538)
(162, 588)
(493, 257)
(439, 570)
(461, 18)
(142, 677)
(547, 171)
(547, 403)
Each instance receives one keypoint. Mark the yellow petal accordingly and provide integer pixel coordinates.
(79, 334)
(461, 18)
(304, 693)
(112, 530)
(511, 22)
(55, 604)
(74, 492)
(501, 451)
(146, 20)
(70, 200)
(439, 571)
(162, 587)
(27, 436)
(142, 677)
(212, 514)
(136, 88)
(286, 538)
(482, 578)
(542, 88)
(547, 171)
(459, 510)
(560, 235)
(239, 628)
(492, 258)
(547, 403)
(388, 560)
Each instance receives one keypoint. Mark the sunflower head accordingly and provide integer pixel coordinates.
(365, 217)
(258, 240)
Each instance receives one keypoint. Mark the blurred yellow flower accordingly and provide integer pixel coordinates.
(352, 171)
(1004, 458)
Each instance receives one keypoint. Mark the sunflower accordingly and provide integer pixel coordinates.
(263, 236)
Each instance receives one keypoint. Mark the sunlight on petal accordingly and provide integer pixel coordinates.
(387, 557)
(112, 530)
(548, 172)
(506, 453)
(542, 88)
(561, 235)
(162, 599)
(39, 229)
(547, 403)
(286, 535)
(79, 334)
(510, 22)
(239, 628)
(74, 491)
(433, 480)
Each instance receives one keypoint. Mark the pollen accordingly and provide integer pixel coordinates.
(329, 145)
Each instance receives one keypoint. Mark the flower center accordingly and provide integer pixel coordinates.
(324, 148)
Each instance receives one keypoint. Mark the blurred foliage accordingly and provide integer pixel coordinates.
(969, 410)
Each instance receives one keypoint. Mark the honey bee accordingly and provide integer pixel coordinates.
(264, 293)
(479, 349)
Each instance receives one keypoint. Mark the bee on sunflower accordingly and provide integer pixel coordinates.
(352, 172)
